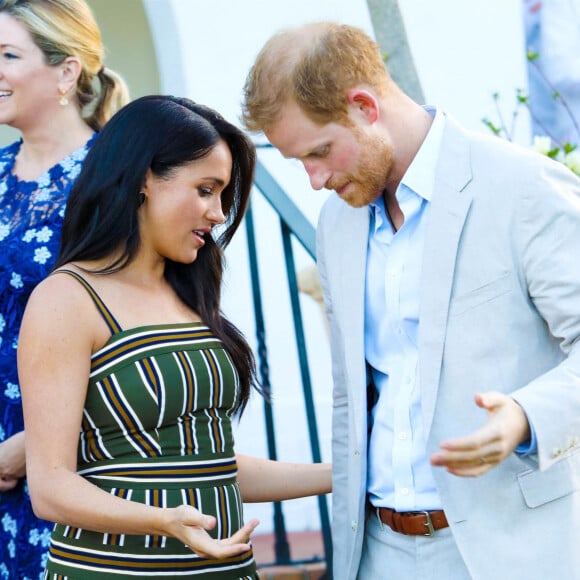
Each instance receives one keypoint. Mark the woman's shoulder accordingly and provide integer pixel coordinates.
(8, 153)
(61, 290)
(59, 311)
(11, 149)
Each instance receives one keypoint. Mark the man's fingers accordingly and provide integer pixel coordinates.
(490, 400)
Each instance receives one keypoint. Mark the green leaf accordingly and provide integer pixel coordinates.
(568, 148)
(531, 55)
(495, 130)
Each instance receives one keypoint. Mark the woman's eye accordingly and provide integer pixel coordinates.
(205, 191)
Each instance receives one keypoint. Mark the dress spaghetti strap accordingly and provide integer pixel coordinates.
(108, 317)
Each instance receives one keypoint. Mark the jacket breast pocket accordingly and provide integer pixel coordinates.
(481, 295)
(560, 480)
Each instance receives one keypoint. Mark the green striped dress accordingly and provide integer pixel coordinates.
(156, 429)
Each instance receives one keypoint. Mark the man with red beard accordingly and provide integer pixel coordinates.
(448, 262)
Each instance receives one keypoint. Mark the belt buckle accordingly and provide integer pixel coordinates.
(428, 524)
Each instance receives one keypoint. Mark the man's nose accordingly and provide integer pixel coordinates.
(318, 175)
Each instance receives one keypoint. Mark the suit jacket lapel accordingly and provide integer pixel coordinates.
(353, 241)
(448, 211)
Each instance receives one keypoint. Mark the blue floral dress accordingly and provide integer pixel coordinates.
(31, 214)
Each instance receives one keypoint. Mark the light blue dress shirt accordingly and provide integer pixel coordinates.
(399, 473)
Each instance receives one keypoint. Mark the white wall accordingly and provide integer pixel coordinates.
(464, 51)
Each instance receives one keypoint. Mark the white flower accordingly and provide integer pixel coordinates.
(2, 433)
(12, 391)
(542, 144)
(4, 571)
(16, 280)
(572, 160)
(3, 187)
(28, 236)
(79, 154)
(41, 255)
(9, 524)
(4, 231)
(67, 163)
(44, 234)
(12, 548)
(44, 180)
(43, 194)
(74, 171)
(36, 537)
(2, 323)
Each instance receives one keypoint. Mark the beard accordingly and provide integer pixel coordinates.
(374, 164)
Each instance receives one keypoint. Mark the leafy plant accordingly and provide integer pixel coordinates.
(549, 145)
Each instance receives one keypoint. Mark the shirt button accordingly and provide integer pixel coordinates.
(405, 491)
(357, 453)
(403, 436)
(353, 526)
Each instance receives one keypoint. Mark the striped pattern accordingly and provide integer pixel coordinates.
(164, 472)
(156, 429)
(131, 565)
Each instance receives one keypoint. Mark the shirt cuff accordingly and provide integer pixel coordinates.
(530, 446)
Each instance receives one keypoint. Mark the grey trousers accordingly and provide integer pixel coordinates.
(388, 555)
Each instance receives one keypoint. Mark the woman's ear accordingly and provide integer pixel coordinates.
(363, 102)
(146, 185)
(69, 72)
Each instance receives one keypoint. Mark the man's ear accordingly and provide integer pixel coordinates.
(70, 71)
(363, 102)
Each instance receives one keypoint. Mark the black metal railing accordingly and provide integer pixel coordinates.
(293, 224)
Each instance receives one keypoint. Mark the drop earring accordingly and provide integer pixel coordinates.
(63, 102)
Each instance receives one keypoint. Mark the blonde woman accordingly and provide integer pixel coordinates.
(55, 90)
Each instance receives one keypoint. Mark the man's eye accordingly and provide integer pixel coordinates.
(319, 153)
(9, 55)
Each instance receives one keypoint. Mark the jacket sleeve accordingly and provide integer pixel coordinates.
(550, 248)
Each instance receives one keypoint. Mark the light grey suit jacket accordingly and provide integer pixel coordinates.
(500, 310)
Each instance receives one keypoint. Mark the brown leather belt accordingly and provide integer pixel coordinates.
(423, 523)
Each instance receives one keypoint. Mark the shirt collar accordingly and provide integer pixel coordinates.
(420, 175)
